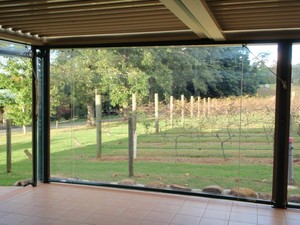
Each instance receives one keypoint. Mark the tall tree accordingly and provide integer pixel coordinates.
(78, 73)
(15, 78)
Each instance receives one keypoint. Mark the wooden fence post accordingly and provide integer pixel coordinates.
(204, 107)
(192, 107)
(182, 110)
(156, 113)
(8, 145)
(130, 147)
(208, 106)
(171, 111)
(198, 106)
(98, 125)
(134, 107)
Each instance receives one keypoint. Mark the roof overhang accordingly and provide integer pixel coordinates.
(92, 22)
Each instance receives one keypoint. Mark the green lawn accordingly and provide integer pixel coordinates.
(189, 156)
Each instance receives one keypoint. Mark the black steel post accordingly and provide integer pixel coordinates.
(34, 117)
(46, 114)
(282, 125)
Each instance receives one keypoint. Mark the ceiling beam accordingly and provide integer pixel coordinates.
(204, 16)
(182, 13)
(197, 16)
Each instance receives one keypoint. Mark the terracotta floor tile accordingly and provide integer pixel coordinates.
(142, 205)
(198, 204)
(170, 208)
(216, 214)
(243, 217)
(292, 222)
(244, 209)
(12, 219)
(74, 216)
(98, 219)
(10, 207)
(292, 214)
(36, 221)
(125, 221)
(208, 221)
(239, 223)
(160, 217)
(60, 204)
(268, 220)
(191, 211)
(185, 220)
(147, 222)
(111, 210)
(134, 213)
(278, 213)
(3, 214)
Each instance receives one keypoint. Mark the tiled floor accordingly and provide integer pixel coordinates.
(63, 204)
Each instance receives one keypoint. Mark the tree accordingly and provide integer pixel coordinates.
(150, 62)
(16, 79)
(78, 73)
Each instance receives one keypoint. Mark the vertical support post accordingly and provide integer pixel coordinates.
(171, 111)
(182, 110)
(8, 145)
(130, 147)
(46, 112)
(134, 107)
(192, 107)
(41, 144)
(98, 124)
(282, 123)
(208, 106)
(198, 106)
(204, 107)
(34, 86)
(156, 113)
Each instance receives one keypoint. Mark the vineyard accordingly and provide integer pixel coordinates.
(181, 144)
(188, 144)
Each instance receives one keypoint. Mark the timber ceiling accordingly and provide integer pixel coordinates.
(83, 22)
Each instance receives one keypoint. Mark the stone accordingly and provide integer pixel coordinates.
(179, 187)
(294, 198)
(213, 189)
(156, 184)
(264, 196)
(23, 183)
(127, 182)
(243, 192)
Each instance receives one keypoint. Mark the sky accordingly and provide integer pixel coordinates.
(272, 49)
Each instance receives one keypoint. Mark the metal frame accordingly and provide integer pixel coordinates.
(282, 118)
(41, 117)
(282, 124)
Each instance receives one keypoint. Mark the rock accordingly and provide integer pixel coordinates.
(264, 196)
(23, 183)
(243, 192)
(294, 198)
(179, 188)
(156, 184)
(213, 189)
(127, 182)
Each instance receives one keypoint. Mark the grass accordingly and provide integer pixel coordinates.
(190, 156)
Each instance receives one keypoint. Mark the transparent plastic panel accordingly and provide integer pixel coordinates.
(201, 118)
(15, 120)
(294, 140)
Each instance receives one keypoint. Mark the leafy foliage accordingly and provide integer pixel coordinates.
(16, 80)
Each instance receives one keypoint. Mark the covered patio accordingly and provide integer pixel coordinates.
(65, 204)
(58, 24)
